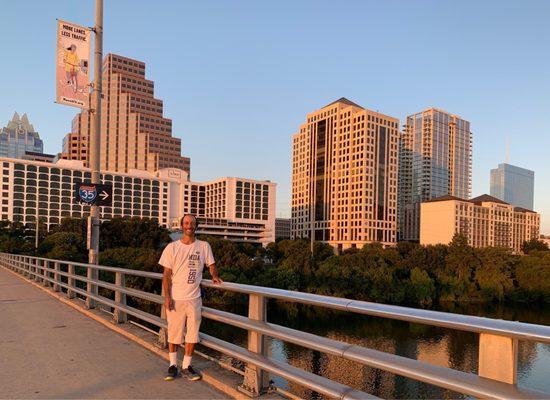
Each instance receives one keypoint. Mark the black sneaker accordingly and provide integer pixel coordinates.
(172, 373)
(191, 374)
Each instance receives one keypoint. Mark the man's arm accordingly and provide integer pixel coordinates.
(167, 289)
(214, 273)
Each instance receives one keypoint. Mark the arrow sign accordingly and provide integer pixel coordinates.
(93, 194)
(104, 195)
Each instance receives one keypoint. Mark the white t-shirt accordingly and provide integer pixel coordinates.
(186, 262)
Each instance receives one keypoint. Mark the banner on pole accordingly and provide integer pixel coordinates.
(73, 64)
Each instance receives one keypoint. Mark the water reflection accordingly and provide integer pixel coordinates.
(433, 345)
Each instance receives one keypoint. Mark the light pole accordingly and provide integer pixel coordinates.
(95, 137)
(313, 197)
(37, 221)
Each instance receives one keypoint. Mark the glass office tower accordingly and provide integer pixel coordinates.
(19, 137)
(514, 185)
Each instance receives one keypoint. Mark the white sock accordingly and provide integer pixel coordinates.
(186, 362)
(173, 358)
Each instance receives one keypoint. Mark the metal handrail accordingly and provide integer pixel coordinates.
(133, 272)
(520, 330)
(40, 269)
(417, 370)
(153, 298)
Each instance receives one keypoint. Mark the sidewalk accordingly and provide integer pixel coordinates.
(49, 350)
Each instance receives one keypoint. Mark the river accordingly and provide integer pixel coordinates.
(438, 346)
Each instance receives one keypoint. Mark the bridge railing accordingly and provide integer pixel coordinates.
(498, 339)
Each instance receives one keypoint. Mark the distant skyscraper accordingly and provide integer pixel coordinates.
(344, 176)
(514, 185)
(435, 160)
(19, 137)
(134, 133)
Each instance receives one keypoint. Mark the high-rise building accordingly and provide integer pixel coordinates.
(19, 137)
(485, 221)
(435, 159)
(514, 185)
(236, 209)
(134, 133)
(282, 228)
(344, 176)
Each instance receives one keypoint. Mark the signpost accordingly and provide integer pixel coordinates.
(73, 88)
(93, 194)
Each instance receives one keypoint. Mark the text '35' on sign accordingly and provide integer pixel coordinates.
(93, 194)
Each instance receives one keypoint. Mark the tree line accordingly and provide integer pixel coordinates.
(407, 274)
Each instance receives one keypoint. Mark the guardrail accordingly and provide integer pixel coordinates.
(498, 339)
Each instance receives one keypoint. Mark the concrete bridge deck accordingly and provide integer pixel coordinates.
(49, 350)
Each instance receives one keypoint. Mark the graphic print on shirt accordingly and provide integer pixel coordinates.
(194, 264)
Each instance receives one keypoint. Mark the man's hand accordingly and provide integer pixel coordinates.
(169, 304)
(214, 274)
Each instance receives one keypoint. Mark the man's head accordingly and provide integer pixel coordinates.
(188, 224)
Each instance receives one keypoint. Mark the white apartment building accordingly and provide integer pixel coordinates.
(485, 221)
(232, 208)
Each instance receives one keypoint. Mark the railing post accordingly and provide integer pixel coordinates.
(56, 277)
(27, 267)
(70, 281)
(120, 316)
(45, 274)
(36, 271)
(90, 287)
(163, 333)
(255, 379)
(498, 358)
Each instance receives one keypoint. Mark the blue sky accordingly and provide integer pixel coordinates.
(238, 77)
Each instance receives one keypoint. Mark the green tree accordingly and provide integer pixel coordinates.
(343, 276)
(533, 277)
(133, 232)
(274, 252)
(15, 238)
(421, 289)
(533, 245)
(63, 246)
(73, 225)
(457, 278)
(298, 267)
(494, 274)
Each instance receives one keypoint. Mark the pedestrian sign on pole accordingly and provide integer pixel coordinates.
(92, 194)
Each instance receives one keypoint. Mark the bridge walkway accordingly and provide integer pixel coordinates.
(49, 350)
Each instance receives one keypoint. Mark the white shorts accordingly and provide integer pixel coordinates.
(184, 321)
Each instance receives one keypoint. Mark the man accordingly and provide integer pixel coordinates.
(183, 262)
